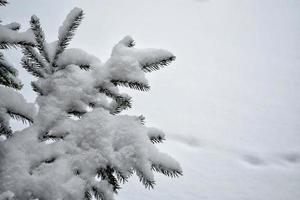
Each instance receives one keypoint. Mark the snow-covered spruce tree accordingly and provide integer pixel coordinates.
(12, 104)
(79, 146)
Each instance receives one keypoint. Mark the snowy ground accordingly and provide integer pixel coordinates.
(229, 105)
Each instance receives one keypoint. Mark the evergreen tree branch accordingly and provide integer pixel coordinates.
(31, 54)
(66, 36)
(85, 67)
(20, 116)
(121, 177)
(39, 37)
(171, 172)
(6, 67)
(31, 68)
(14, 44)
(148, 183)
(98, 194)
(121, 102)
(107, 92)
(4, 127)
(3, 2)
(9, 80)
(76, 113)
(108, 175)
(156, 139)
(131, 84)
(43, 136)
(36, 88)
(88, 195)
(149, 67)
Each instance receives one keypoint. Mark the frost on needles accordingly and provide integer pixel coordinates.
(79, 146)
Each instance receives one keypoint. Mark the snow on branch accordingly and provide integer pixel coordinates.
(13, 104)
(8, 195)
(60, 157)
(13, 26)
(148, 59)
(12, 38)
(145, 178)
(155, 135)
(16, 105)
(166, 165)
(76, 57)
(67, 30)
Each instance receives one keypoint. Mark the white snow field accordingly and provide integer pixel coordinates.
(229, 104)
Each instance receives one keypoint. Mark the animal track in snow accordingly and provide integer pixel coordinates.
(292, 158)
(253, 160)
(187, 140)
(271, 159)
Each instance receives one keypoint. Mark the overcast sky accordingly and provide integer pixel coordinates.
(235, 83)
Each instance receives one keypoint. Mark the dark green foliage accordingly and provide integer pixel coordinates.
(149, 67)
(76, 113)
(88, 195)
(34, 58)
(52, 137)
(85, 67)
(148, 183)
(121, 177)
(19, 116)
(3, 2)
(31, 68)
(14, 44)
(5, 66)
(156, 139)
(44, 135)
(122, 102)
(37, 89)
(131, 84)
(8, 74)
(8, 81)
(39, 37)
(108, 175)
(5, 128)
(108, 92)
(99, 195)
(166, 171)
(64, 41)
(41, 59)
(95, 193)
